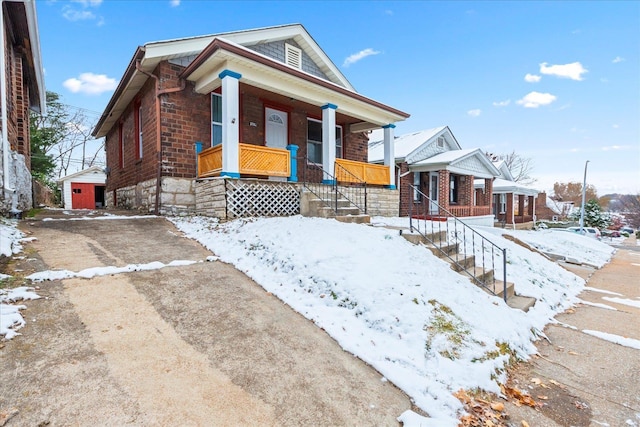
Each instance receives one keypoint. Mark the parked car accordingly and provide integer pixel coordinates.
(627, 230)
(610, 233)
(587, 231)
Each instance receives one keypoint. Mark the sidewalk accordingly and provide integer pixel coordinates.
(581, 377)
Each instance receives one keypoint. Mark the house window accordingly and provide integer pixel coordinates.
(314, 141)
(138, 129)
(292, 56)
(216, 119)
(120, 146)
(417, 197)
(453, 189)
(503, 203)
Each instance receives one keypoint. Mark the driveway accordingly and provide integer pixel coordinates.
(197, 344)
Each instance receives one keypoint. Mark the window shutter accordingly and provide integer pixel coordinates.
(293, 56)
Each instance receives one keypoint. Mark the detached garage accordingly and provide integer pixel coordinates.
(84, 189)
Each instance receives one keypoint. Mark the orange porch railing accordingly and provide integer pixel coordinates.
(254, 160)
(367, 172)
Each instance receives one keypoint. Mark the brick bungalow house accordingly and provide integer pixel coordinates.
(22, 76)
(209, 122)
(433, 162)
(512, 203)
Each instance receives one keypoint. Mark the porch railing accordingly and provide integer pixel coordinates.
(254, 160)
(363, 172)
(468, 242)
(469, 210)
(330, 192)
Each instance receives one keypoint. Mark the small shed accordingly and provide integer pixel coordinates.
(84, 189)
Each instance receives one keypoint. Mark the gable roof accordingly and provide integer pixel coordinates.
(504, 170)
(464, 162)
(408, 144)
(203, 55)
(92, 169)
(502, 185)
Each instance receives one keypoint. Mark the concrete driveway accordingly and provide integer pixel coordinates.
(190, 345)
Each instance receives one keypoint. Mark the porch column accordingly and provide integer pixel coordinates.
(509, 213)
(230, 123)
(521, 205)
(329, 142)
(389, 154)
(443, 189)
(531, 205)
(488, 193)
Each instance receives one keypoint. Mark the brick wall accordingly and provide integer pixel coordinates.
(465, 191)
(443, 188)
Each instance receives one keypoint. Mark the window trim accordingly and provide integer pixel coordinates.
(417, 197)
(137, 137)
(214, 123)
(453, 189)
(319, 143)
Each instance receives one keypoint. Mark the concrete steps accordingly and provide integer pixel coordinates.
(465, 265)
(344, 211)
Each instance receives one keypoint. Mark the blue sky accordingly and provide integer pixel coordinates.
(558, 82)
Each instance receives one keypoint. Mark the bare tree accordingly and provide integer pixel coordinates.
(572, 192)
(520, 167)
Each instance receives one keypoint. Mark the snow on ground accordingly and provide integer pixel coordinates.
(624, 341)
(393, 304)
(10, 318)
(9, 237)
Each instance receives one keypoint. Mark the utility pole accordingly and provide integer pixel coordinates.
(584, 190)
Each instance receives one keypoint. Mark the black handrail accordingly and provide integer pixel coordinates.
(356, 187)
(458, 232)
(329, 191)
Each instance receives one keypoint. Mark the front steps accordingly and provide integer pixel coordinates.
(345, 211)
(465, 265)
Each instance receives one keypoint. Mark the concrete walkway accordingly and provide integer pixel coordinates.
(586, 380)
(191, 345)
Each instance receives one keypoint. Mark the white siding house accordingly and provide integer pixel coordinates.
(84, 189)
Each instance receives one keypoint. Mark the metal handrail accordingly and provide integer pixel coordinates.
(329, 194)
(355, 185)
(462, 234)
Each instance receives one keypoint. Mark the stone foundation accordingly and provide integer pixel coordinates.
(177, 196)
(21, 199)
(383, 202)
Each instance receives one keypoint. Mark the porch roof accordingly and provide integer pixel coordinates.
(463, 162)
(501, 185)
(404, 144)
(267, 73)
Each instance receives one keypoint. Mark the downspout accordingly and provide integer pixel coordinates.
(159, 92)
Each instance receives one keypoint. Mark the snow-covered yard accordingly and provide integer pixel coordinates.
(391, 303)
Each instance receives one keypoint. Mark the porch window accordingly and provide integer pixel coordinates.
(417, 197)
(314, 141)
(453, 189)
(338, 142)
(138, 129)
(503, 203)
(216, 119)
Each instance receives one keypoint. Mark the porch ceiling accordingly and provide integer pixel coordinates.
(265, 73)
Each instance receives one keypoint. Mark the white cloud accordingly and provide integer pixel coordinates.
(77, 15)
(502, 103)
(352, 59)
(90, 84)
(88, 3)
(536, 99)
(615, 126)
(174, 3)
(532, 78)
(388, 12)
(573, 71)
(474, 113)
(618, 59)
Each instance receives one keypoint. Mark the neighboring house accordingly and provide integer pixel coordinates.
(265, 103)
(512, 203)
(552, 210)
(84, 189)
(21, 89)
(436, 176)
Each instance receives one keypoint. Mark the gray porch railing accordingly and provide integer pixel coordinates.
(353, 190)
(467, 241)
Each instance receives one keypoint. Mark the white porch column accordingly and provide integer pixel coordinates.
(389, 154)
(230, 123)
(329, 142)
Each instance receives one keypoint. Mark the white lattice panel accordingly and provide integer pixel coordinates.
(256, 198)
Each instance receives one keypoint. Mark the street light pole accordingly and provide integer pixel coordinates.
(584, 190)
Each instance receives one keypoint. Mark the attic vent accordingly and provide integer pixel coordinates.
(440, 141)
(293, 56)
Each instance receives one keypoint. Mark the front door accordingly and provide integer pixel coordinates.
(433, 193)
(276, 128)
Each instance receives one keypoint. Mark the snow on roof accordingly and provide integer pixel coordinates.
(447, 157)
(501, 185)
(404, 144)
(92, 169)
